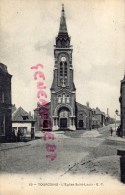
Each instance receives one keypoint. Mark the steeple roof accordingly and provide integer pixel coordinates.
(63, 27)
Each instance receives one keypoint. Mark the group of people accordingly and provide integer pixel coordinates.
(118, 131)
(16, 136)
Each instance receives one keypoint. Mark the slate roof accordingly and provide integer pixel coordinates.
(63, 26)
(20, 115)
(81, 106)
(98, 111)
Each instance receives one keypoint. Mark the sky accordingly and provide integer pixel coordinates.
(27, 34)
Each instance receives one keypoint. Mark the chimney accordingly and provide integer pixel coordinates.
(107, 111)
(87, 104)
(30, 113)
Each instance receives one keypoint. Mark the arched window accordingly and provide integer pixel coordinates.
(67, 43)
(61, 69)
(59, 99)
(67, 99)
(63, 43)
(63, 98)
(59, 43)
(65, 69)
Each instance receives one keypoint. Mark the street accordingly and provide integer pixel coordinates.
(79, 152)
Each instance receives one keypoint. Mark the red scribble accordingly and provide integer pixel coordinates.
(36, 66)
(50, 147)
(40, 74)
(44, 112)
(41, 93)
(48, 135)
(51, 156)
(43, 102)
(40, 85)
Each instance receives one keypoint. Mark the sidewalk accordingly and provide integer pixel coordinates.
(115, 138)
(8, 146)
(14, 145)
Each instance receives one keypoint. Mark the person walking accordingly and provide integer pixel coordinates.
(111, 131)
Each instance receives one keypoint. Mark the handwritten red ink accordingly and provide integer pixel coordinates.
(44, 112)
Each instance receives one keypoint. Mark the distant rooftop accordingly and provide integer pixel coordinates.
(20, 115)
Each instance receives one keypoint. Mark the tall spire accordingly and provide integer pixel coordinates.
(63, 27)
(63, 39)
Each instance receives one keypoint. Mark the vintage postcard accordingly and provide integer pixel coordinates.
(62, 97)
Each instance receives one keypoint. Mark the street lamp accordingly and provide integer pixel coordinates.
(116, 113)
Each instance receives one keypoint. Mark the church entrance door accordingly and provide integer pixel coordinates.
(81, 124)
(63, 123)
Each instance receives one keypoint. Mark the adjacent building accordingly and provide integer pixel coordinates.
(22, 122)
(5, 103)
(98, 118)
(122, 106)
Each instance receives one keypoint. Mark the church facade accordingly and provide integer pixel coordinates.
(65, 112)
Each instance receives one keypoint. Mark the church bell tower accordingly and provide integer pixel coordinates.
(63, 92)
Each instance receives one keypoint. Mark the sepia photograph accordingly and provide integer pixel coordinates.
(62, 97)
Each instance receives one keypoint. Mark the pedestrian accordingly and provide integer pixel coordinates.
(111, 131)
(18, 136)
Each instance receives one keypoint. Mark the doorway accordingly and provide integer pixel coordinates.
(63, 123)
(81, 124)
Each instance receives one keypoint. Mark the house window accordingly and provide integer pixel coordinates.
(22, 131)
(14, 128)
(25, 117)
(2, 124)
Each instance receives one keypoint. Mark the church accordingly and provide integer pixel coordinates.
(65, 112)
